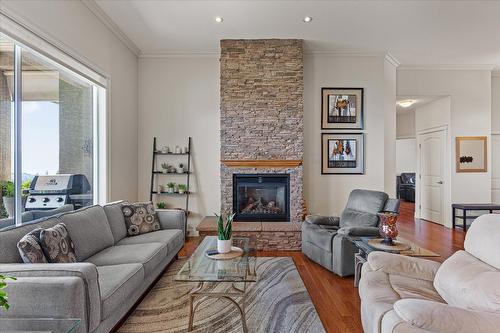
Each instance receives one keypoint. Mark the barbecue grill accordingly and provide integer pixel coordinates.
(53, 191)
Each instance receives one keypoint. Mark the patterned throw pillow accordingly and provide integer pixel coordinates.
(29, 248)
(140, 218)
(57, 244)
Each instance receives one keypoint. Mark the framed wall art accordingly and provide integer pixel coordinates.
(342, 108)
(471, 153)
(342, 153)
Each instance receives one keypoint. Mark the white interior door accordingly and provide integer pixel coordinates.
(432, 156)
(495, 170)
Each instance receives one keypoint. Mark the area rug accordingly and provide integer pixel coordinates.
(278, 302)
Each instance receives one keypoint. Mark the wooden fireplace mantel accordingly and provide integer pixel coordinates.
(261, 163)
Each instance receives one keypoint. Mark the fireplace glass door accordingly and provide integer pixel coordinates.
(261, 197)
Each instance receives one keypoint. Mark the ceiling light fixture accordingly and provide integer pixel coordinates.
(219, 19)
(307, 19)
(407, 103)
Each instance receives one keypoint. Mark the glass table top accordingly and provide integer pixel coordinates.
(38, 325)
(200, 268)
(414, 251)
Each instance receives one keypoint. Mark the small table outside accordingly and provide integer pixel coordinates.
(468, 207)
(364, 249)
(34, 325)
(202, 269)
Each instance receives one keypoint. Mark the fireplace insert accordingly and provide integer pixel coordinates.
(261, 197)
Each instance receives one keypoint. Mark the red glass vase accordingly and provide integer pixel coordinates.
(388, 228)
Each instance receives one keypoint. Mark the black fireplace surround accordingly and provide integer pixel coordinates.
(261, 197)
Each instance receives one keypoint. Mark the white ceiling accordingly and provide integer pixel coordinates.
(415, 32)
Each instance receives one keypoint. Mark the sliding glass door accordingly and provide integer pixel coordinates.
(49, 134)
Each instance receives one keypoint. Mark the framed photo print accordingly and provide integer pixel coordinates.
(342, 153)
(471, 153)
(342, 108)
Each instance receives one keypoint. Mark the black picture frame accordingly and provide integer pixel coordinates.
(360, 151)
(326, 124)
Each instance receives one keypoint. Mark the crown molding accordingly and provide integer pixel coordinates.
(392, 60)
(495, 73)
(112, 26)
(180, 55)
(442, 67)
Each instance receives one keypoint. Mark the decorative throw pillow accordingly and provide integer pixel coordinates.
(140, 218)
(29, 248)
(57, 244)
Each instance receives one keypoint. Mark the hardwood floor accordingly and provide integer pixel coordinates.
(335, 298)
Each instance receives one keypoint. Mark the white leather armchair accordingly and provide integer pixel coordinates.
(404, 294)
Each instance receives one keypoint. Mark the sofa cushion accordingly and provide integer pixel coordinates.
(9, 237)
(319, 235)
(149, 255)
(466, 282)
(140, 218)
(116, 219)
(352, 218)
(172, 238)
(57, 244)
(30, 249)
(116, 284)
(89, 230)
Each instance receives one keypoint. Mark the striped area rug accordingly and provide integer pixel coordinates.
(278, 302)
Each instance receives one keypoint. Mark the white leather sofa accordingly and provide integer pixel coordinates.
(404, 294)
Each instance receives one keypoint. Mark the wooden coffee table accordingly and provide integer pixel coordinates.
(364, 248)
(199, 268)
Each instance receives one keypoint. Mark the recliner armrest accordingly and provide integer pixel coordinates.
(172, 219)
(86, 273)
(443, 318)
(358, 231)
(402, 265)
(323, 220)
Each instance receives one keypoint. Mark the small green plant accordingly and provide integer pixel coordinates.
(224, 230)
(171, 185)
(3, 294)
(161, 205)
(165, 166)
(7, 189)
(182, 187)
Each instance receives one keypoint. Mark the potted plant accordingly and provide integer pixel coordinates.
(182, 188)
(3, 294)
(180, 168)
(224, 233)
(161, 205)
(7, 189)
(171, 187)
(164, 167)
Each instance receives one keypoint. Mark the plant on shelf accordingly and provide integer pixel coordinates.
(180, 168)
(3, 294)
(182, 188)
(164, 167)
(7, 189)
(171, 187)
(161, 205)
(224, 232)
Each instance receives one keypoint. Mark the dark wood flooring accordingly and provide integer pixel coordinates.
(335, 298)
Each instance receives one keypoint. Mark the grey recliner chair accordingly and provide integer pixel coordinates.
(325, 239)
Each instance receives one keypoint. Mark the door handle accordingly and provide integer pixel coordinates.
(439, 182)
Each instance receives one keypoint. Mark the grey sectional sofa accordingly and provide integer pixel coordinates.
(112, 272)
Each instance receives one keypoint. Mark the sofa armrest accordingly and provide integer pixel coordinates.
(31, 278)
(324, 220)
(358, 231)
(172, 219)
(443, 318)
(401, 265)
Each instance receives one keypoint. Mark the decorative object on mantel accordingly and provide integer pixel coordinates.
(388, 227)
(262, 163)
(342, 153)
(224, 233)
(342, 108)
(471, 153)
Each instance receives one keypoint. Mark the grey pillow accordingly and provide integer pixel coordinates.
(140, 218)
(30, 249)
(57, 244)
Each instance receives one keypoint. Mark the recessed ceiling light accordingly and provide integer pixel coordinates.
(219, 19)
(407, 103)
(307, 19)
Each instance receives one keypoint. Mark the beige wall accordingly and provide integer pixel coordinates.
(179, 97)
(406, 155)
(469, 94)
(495, 139)
(405, 124)
(73, 25)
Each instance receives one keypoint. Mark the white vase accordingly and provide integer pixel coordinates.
(224, 246)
